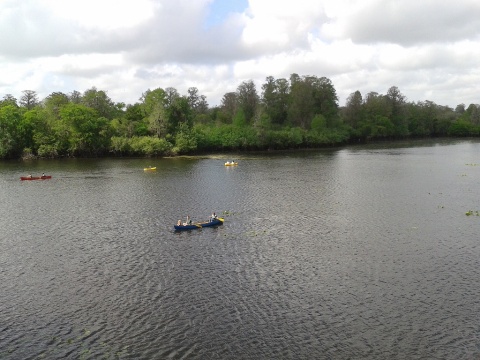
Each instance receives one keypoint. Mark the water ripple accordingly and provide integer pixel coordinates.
(358, 253)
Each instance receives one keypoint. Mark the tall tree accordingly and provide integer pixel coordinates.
(229, 106)
(54, 102)
(275, 99)
(325, 98)
(396, 100)
(88, 133)
(198, 103)
(29, 99)
(180, 115)
(99, 100)
(460, 109)
(193, 97)
(75, 97)
(301, 107)
(151, 99)
(202, 105)
(473, 112)
(376, 121)
(171, 94)
(353, 109)
(158, 121)
(248, 99)
(132, 124)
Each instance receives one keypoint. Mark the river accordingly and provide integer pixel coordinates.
(360, 252)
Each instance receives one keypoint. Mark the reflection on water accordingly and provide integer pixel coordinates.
(361, 252)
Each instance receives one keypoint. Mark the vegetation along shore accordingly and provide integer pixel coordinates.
(301, 112)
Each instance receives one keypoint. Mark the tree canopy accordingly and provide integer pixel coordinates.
(302, 111)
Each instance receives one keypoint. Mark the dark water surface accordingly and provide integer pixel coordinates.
(361, 253)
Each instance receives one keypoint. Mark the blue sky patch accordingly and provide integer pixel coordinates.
(220, 9)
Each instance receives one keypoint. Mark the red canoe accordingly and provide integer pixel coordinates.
(36, 177)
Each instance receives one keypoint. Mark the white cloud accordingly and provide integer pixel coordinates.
(406, 22)
(428, 49)
(92, 13)
(282, 26)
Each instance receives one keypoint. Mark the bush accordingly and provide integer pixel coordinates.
(185, 143)
(140, 145)
(463, 128)
(47, 151)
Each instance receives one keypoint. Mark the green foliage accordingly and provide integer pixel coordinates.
(10, 131)
(319, 123)
(151, 99)
(8, 99)
(287, 138)
(88, 133)
(100, 102)
(239, 119)
(149, 146)
(378, 127)
(139, 146)
(463, 128)
(327, 137)
(47, 151)
(178, 113)
(185, 142)
(300, 112)
(226, 137)
(275, 99)
(247, 99)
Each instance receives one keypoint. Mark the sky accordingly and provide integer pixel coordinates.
(428, 49)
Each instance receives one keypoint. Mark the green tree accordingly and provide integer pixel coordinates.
(228, 107)
(171, 95)
(422, 118)
(8, 99)
(202, 105)
(301, 106)
(154, 103)
(396, 101)
(185, 140)
(319, 123)
(150, 99)
(325, 99)
(88, 133)
(158, 121)
(248, 99)
(41, 140)
(179, 114)
(460, 109)
(10, 134)
(99, 100)
(133, 123)
(193, 98)
(239, 119)
(473, 112)
(75, 97)
(54, 102)
(274, 99)
(353, 109)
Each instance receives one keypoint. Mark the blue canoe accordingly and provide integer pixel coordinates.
(199, 225)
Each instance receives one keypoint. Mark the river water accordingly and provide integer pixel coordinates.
(361, 252)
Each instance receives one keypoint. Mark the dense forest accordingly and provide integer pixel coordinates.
(302, 112)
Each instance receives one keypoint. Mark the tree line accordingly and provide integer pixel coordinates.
(301, 112)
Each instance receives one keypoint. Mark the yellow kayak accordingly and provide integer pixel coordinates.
(150, 169)
(231, 163)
